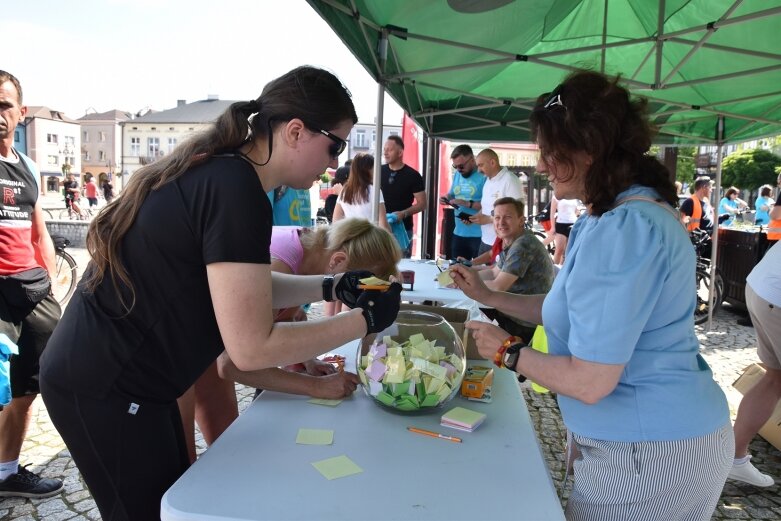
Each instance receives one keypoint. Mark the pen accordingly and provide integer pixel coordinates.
(434, 434)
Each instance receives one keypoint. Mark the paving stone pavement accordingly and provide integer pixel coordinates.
(727, 347)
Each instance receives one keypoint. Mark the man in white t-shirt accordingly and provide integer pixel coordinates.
(499, 183)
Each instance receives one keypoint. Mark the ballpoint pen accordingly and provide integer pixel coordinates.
(434, 434)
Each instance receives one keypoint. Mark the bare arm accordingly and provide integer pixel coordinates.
(419, 205)
(338, 213)
(588, 382)
(775, 213)
(42, 243)
(333, 386)
(525, 307)
(501, 281)
(384, 218)
(242, 299)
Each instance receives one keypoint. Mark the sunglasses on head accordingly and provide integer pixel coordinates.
(338, 145)
(554, 99)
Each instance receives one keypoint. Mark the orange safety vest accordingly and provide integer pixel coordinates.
(694, 222)
(774, 230)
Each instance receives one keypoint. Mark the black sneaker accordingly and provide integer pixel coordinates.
(26, 484)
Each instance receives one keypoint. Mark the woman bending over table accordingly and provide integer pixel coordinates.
(180, 272)
(651, 425)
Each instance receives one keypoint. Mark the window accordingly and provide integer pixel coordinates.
(360, 139)
(171, 144)
(135, 146)
(53, 160)
(153, 146)
(374, 138)
(101, 136)
(51, 138)
(70, 160)
(85, 136)
(87, 156)
(171, 129)
(101, 156)
(70, 140)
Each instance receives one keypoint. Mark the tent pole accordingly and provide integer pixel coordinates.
(382, 50)
(715, 241)
(429, 234)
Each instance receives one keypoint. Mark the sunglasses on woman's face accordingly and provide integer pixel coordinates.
(338, 145)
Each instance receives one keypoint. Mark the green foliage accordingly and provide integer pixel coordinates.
(325, 178)
(685, 165)
(750, 169)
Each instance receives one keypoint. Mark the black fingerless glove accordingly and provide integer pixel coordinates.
(347, 289)
(380, 308)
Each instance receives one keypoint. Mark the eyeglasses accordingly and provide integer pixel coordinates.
(554, 100)
(338, 145)
(462, 165)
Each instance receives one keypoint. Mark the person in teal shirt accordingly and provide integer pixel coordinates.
(291, 207)
(763, 205)
(465, 194)
(650, 427)
(730, 205)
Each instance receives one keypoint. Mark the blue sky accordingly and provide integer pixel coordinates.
(132, 54)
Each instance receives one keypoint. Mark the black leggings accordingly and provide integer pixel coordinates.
(127, 460)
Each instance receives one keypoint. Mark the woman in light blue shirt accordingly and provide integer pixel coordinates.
(730, 205)
(649, 422)
(763, 205)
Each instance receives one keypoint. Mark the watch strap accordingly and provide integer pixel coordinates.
(328, 288)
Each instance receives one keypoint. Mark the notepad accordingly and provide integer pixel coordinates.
(462, 419)
(314, 437)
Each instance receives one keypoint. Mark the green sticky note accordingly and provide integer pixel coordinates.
(323, 401)
(430, 400)
(315, 437)
(399, 389)
(338, 467)
(406, 405)
(385, 398)
(362, 376)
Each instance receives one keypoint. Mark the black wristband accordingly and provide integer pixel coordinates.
(328, 288)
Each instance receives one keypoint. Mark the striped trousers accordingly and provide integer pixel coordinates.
(664, 480)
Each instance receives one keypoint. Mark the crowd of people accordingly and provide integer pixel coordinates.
(166, 318)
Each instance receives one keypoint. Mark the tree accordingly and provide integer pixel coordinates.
(750, 168)
(684, 164)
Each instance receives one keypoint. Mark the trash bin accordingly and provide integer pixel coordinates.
(739, 251)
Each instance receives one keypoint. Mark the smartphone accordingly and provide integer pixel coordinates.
(464, 216)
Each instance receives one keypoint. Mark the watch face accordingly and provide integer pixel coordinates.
(510, 359)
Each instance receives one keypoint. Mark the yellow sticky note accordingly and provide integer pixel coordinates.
(338, 467)
(323, 401)
(315, 437)
(444, 279)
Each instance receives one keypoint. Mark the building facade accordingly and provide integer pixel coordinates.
(101, 143)
(54, 144)
(363, 138)
(156, 134)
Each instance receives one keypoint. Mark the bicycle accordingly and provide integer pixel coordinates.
(541, 235)
(64, 282)
(701, 241)
(69, 214)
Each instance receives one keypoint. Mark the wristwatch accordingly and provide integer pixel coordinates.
(511, 356)
(328, 288)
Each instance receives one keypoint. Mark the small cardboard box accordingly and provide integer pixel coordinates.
(477, 380)
(771, 430)
(456, 317)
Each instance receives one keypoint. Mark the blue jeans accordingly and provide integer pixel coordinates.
(466, 247)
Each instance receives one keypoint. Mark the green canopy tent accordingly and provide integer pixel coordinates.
(470, 70)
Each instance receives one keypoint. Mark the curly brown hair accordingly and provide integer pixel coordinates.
(589, 112)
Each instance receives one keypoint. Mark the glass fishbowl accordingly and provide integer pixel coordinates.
(414, 366)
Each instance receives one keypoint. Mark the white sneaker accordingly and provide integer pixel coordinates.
(748, 473)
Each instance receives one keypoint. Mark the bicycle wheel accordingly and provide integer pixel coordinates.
(703, 294)
(64, 215)
(48, 214)
(64, 283)
(550, 246)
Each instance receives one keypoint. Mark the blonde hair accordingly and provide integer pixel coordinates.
(367, 246)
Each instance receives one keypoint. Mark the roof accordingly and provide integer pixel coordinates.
(204, 111)
(472, 70)
(47, 113)
(111, 115)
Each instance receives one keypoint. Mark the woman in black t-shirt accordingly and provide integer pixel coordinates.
(181, 271)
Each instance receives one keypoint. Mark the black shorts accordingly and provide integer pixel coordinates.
(31, 335)
(564, 228)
